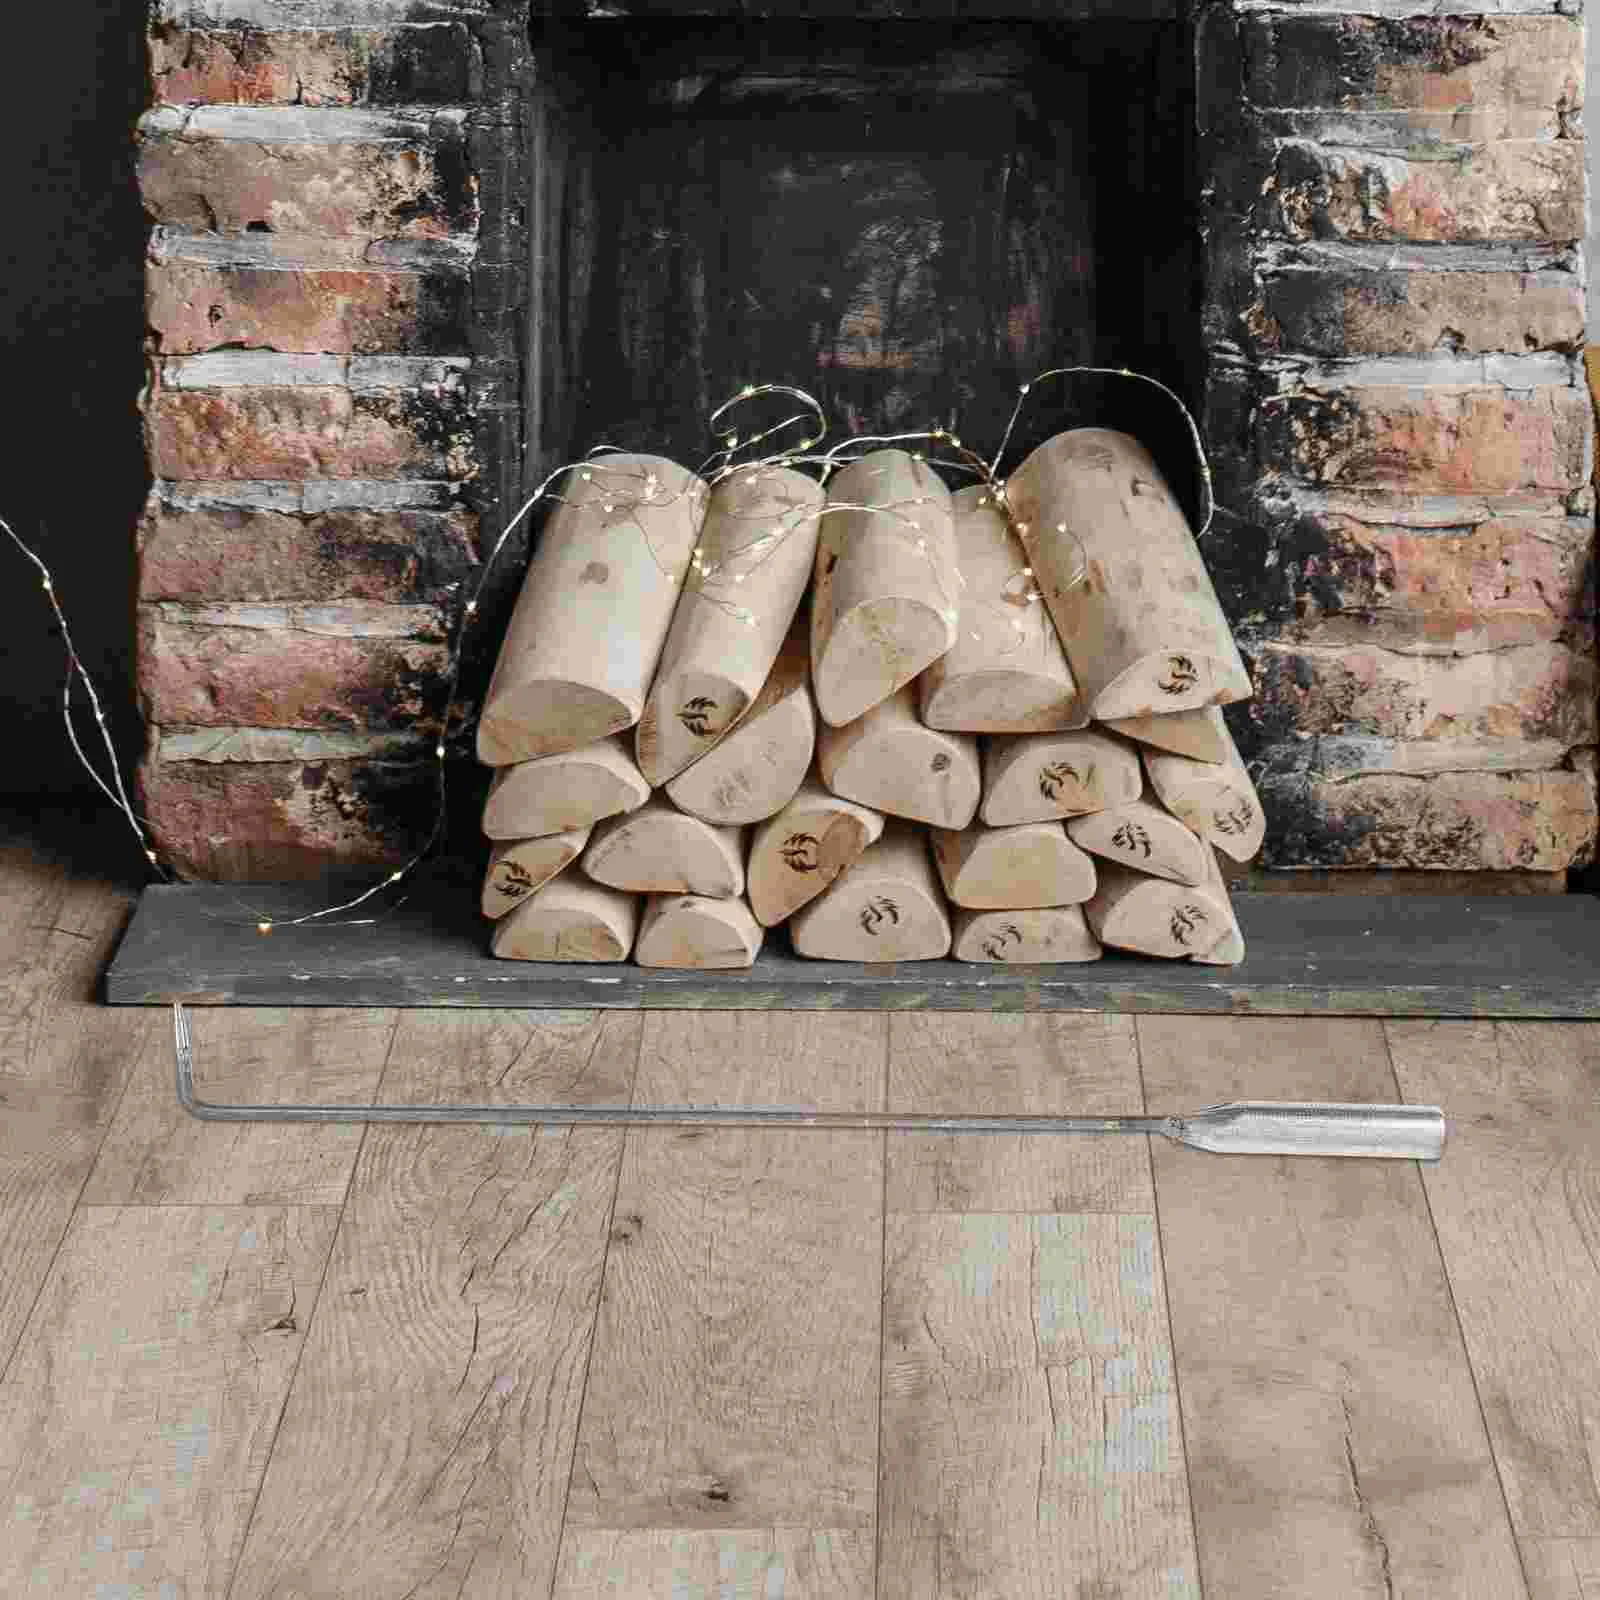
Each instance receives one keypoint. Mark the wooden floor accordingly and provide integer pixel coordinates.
(410, 1363)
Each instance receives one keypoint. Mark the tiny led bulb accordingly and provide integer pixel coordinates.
(263, 927)
(438, 750)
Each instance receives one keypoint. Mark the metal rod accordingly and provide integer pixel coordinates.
(1254, 1127)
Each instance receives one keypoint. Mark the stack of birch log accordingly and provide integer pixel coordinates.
(1002, 701)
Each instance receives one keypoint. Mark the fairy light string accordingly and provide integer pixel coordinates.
(611, 489)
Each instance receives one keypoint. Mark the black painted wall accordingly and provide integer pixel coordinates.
(72, 473)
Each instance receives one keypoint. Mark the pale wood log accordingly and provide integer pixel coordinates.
(1134, 911)
(1141, 835)
(519, 866)
(799, 852)
(569, 919)
(661, 850)
(595, 607)
(726, 1394)
(1517, 1206)
(694, 930)
(1228, 951)
(757, 547)
(1314, 1326)
(1040, 777)
(1006, 672)
(1216, 800)
(559, 793)
(1143, 630)
(887, 907)
(889, 760)
(1199, 734)
(886, 600)
(140, 1409)
(1025, 937)
(1000, 869)
(465, 1278)
(754, 772)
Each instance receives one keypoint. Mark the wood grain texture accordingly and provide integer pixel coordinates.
(1334, 1439)
(727, 1563)
(1031, 1437)
(1517, 1206)
(155, 1153)
(725, 1394)
(137, 1418)
(1069, 1066)
(463, 1288)
(1562, 1569)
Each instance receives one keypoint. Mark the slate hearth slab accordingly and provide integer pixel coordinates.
(1395, 956)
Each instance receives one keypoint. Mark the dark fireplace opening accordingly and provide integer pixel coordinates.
(907, 220)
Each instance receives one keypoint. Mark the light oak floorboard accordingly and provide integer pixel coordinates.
(137, 1418)
(64, 1063)
(735, 1377)
(1062, 1064)
(1335, 1444)
(156, 1153)
(723, 1564)
(427, 1444)
(1562, 1569)
(1517, 1204)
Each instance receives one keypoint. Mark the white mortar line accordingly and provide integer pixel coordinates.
(272, 252)
(389, 126)
(237, 369)
(310, 497)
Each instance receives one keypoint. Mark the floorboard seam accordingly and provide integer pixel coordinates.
(1461, 1332)
(322, 1283)
(883, 1316)
(1172, 1337)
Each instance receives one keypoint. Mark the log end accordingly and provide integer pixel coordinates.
(547, 717)
(794, 869)
(1158, 685)
(565, 933)
(875, 649)
(688, 931)
(872, 919)
(1004, 701)
(683, 719)
(1025, 938)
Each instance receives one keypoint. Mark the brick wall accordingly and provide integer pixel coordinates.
(332, 414)
(1394, 213)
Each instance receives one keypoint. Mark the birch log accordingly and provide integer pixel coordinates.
(886, 599)
(1200, 735)
(1048, 933)
(1141, 835)
(754, 772)
(519, 866)
(1008, 869)
(757, 547)
(1155, 916)
(799, 852)
(1006, 672)
(1216, 800)
(558, 793)
(887, 907)
(594, 610)
(1039, 777)
(695, 931)
(569, 919)
(888, 759)
(660, 850)
(1228, 951)
(1142, 630)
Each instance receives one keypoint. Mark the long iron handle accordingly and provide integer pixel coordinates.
(1256, 1127)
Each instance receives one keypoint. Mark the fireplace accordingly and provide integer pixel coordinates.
(405, 256)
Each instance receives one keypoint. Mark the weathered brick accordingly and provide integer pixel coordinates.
(222, 553)
(1529, 821)
(310, 432)
(194, 306)
(1456, 576)
(1512, 190)
(1460, 78)
(1537, 692)
(1445, 440)
(218, 676)
(1354, 313)
(386, 178)
(314, 67)
(270, 822)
